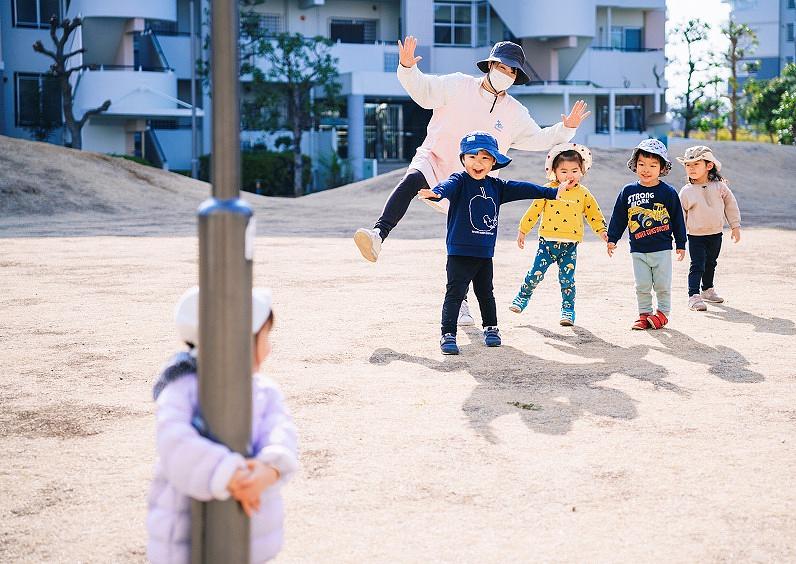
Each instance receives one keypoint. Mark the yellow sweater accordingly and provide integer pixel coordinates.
(562, 220)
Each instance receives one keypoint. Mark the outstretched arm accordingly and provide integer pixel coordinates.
(533, 138)
(428, 91)
(517, 190)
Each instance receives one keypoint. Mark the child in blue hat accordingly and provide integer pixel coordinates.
(475, 199)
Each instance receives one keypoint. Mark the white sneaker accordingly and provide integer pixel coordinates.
(464, 315)
(710, 295)
(695, 303)
(369, 243)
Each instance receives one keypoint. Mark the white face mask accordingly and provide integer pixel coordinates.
(500, 81)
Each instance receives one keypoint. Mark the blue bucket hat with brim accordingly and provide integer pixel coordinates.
(482, 141)
(511, 55)
(655, 147)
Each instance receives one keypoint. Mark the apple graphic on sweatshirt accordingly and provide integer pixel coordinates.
(483, 213)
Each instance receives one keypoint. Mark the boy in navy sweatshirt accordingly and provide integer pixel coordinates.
(650, 209)
(475, 199)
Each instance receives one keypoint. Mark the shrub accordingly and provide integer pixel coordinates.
(273, 170)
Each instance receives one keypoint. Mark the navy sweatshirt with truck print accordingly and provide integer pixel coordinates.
(652, 215)
(474, 207)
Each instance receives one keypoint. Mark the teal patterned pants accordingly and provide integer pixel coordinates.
(565, 254)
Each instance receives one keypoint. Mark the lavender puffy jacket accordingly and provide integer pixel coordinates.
(191, 466)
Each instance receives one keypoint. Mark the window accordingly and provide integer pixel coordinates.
(35, 13)
(37, 100)
(453, 23)
(353, 31)
(791, 4)
(271, 24)
(628, 114)
(789, 32)
(626, 38)
(390, 62)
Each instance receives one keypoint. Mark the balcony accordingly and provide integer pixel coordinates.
(132, 92)
(543, 18)
(616, 68)
(152, 9)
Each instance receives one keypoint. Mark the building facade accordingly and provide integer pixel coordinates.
(608, 52)
(773, 21)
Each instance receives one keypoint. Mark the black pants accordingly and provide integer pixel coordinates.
(704, 251)
(462, 271)
(399, 200)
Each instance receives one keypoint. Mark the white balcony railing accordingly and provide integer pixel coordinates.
(612, 68)
(131, 92)
(150, 9)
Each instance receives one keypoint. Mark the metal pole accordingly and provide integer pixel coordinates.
(220, 530)
(194, 160)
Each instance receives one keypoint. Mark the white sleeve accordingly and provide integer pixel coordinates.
(277, 442)
(531, 137)
(428, 90)
(194, 465)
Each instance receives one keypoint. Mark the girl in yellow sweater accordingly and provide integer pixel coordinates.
(561, 227)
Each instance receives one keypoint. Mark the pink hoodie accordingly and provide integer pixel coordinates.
(460, 106)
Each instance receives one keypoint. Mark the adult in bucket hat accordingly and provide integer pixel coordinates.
(462, 103)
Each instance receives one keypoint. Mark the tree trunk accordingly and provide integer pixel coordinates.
(298, 163)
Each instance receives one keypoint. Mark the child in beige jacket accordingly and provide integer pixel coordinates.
(707, 201)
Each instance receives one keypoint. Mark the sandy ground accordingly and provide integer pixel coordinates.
(592, 443)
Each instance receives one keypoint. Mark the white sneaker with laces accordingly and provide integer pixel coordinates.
(710, 295)
(695, 303)
(464, 315)
(369, 243)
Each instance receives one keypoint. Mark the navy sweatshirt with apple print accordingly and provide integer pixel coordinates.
(474, 207)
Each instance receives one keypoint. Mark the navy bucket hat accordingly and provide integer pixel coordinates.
(482, 141)
(511, 55)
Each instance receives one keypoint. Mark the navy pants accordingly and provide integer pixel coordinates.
(704, 251)
(461, 271)
(399, 200)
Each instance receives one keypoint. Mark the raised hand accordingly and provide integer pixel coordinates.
(406, 52)
(576, 116)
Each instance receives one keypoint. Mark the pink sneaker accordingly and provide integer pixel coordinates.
(711, 296)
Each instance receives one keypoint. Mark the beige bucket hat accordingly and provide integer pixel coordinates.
(584, 151)
(699, 153)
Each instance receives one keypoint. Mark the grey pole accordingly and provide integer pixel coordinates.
(194, 160)
(220, 530)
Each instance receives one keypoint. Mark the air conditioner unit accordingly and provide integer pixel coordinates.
(304, 4)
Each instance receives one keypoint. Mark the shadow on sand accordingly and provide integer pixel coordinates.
(774, 325)
(550, 395)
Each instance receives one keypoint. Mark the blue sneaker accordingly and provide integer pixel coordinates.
(518, 304)
(447, 344)
(567, 318)
(492, 337)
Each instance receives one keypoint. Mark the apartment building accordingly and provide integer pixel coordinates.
(607, 52)
(137, 55)
(773, 21)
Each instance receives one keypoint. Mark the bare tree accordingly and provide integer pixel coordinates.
(743, 41)
(60, 71)
(692, 33)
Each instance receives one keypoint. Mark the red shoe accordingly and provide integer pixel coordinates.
(642, 322)
(658, 320)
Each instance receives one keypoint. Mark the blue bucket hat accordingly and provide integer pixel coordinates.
(482, 141)
(655, 147)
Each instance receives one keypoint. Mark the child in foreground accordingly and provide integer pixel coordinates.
(475, 199)
(191, 465)
(706, 201)
(650, 209)
(561, 227)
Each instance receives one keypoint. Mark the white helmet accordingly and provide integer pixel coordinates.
(186, 313)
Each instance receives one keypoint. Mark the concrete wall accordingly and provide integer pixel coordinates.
(105, 137)
(152, 9)
(547, 109)
(613, 68)
(543, 18)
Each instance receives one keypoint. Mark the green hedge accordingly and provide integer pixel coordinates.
(274, 170)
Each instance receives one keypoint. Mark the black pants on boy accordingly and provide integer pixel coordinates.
(461, 271)
(704, 251)
(399, 200)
